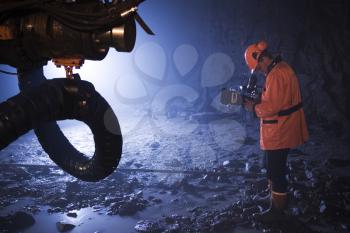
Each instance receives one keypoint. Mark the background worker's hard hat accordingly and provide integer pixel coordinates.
(252, 54)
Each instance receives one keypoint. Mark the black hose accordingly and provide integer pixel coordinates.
(87, 22)
(61, 99)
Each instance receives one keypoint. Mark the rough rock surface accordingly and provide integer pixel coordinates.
(219, 197)
(64, 227)
(16, 222)
(313, 36)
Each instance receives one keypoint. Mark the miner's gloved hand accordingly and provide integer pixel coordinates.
(249, 105)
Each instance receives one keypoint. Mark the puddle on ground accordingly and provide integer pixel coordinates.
(88, 220)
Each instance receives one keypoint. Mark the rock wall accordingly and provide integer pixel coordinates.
(313, 36)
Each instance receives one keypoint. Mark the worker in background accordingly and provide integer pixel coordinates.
(282, 122)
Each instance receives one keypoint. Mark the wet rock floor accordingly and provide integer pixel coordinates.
(165, 183)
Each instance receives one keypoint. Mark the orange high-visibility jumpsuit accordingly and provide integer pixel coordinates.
(282, 119)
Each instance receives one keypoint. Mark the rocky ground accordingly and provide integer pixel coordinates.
(202, 181)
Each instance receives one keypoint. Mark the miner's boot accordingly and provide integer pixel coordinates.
(276, 211)
(264, 199)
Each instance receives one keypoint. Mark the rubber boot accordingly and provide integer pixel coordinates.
(264, 199)
(276, 211)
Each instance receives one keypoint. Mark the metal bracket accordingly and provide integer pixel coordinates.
(68, 64)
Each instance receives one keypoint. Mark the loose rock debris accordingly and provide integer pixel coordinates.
(217, 198)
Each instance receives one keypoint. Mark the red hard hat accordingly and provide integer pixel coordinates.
(252, 54)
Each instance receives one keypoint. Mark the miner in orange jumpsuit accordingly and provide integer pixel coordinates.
(282, 122)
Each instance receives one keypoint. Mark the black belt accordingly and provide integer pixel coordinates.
(290, 110)
(284, 113)
(270, 121)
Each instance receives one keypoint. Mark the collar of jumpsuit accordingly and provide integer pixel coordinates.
(281, 92)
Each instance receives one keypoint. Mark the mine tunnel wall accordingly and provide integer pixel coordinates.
(313, 36)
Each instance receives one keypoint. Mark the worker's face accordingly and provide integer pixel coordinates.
(263, 64)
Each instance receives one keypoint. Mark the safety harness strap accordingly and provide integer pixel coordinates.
(285, 112)
(290, 110)
(270, 121)
(274, 62)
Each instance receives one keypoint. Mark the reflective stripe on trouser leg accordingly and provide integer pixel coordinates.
(279, 200)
